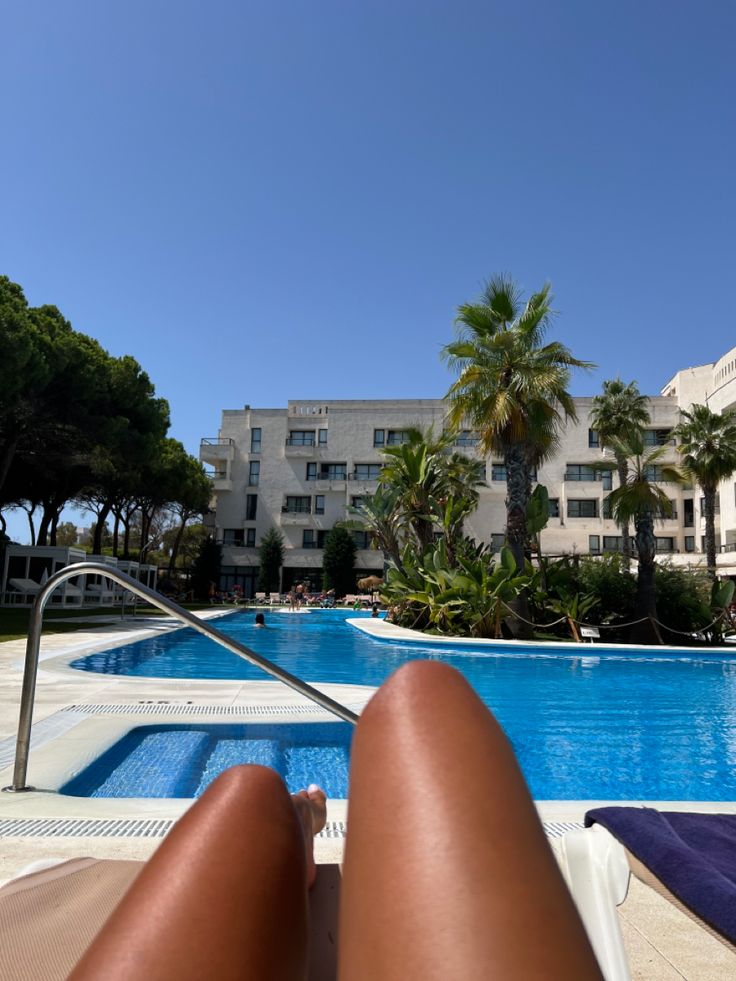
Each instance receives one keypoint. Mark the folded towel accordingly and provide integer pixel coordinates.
(693, 855)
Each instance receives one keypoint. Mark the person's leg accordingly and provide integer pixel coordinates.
(225, 896)
(447, 872)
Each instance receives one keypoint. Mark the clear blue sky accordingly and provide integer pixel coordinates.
(263, 201)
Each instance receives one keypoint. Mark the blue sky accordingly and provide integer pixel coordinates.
(266, 201)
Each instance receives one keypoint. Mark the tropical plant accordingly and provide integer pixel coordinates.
(338, 561)
(707, 447)
(271, 560)
(379, 514)
(620, 410)
(511, 387)
(640, 500)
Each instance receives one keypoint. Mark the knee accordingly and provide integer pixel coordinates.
(249, 780)
(412, 685)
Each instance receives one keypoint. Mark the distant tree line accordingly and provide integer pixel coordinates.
(79, 426)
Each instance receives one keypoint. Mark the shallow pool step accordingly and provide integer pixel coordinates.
(231, 752)
(160, 765)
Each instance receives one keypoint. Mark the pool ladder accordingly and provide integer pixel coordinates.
(23, 742)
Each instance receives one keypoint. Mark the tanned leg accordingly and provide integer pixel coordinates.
(447, 871)
(225, 896)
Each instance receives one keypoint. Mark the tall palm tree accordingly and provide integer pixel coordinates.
(619, 411)
(708, 455)
(511, 387)
(640, 500)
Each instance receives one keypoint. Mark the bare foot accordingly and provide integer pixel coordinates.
(311, 809)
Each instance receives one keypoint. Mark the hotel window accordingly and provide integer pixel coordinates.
(332, 471)
(254, 473)
(606, 508)
(554, 507)
(716, 508)
(322, 437)
(251, 506)
(362, 539)
(580, 471)
(379, 437)
(466, 437)
(498, 471)
(250, 538)
(582, 508)
(310, 539)
(396, 437)
(612, 543)
(233, 536)
(653, 473)
(671, 514)
(355, 502)
(657, 437)
(689, 543)
(498, 540)
(666, 545)
(297, 505)
(367, 471)
(255, 440)
(311, 471)
(607, 479)
(593, 439)
(319, 504)
(594, 544)
(300, 437)
(688, 512)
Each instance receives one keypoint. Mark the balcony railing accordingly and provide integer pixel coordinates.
(292, 441)
(217, 441)
(296, 509)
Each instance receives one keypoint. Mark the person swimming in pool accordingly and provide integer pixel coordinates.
(260, 620)
(447, 872)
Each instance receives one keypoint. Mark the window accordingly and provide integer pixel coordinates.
(666, 545)
(660, 515)
(498, 471)
(657, 437)
(554, 507)
(688, 516)
(300, 437)
(233, 536)
(606, 508)
(322, 437)
(612, 543)
(332, 471)
(355, 502)
(396, 437)
(689, 543)
(593, 439)
(653, 473)
(250, 538)
(594, 544)
(297, 505)
(255, 440)
(466, 437)
(311, 471)
(379, 437)
(498, 540)
(319, 504)
(580, 471)
(582, 509)
(251, 506)
(313, 539)
(367, 471)
(607, 480)
(254, 473)
(362, 539)
(716, 508)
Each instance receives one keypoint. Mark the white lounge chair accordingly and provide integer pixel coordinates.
(99, 593)
(22, 590)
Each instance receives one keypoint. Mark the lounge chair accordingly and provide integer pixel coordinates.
(99, 593)
(22, 590)
(687, 858)
(49, 917)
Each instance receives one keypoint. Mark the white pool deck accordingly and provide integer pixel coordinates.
(78, 714)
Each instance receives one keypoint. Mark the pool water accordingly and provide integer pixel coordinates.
(183, 760)
(585, 725)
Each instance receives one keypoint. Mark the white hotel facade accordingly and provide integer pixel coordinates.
(300, 468)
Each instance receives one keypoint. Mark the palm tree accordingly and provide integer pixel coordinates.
(619, 411)
(640, 500)
(379, 514)
(511, 387)
(708, 451)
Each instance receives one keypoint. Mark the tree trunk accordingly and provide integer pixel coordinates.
(175, 546)
(54, 526)
(115, 533)
(3, 523)
(31, 525)
(43, 528)
(6, 457)
(709, 513)
(622, 466)
(517, 483)
(646, 597)
(100, 528)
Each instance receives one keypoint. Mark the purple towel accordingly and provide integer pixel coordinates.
(693, 855)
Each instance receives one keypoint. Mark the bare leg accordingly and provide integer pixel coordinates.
(447, 872)
(225, 896)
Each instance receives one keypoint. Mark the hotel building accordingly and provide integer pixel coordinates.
(300, 468)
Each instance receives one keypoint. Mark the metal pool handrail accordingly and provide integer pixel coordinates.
(23, 743)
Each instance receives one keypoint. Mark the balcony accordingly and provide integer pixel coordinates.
(217, 450)
(220, 480)
(300, 514)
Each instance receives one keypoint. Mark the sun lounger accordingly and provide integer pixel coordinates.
(99, 593)
(49, 918)
(22, 590)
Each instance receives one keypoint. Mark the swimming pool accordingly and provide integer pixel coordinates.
(176, 760)
(584, 725)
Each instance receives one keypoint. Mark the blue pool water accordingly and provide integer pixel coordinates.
(617, 726)
(183, 760)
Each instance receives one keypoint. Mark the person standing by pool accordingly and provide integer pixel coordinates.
(447, 871)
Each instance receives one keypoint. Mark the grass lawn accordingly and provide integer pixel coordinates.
(14, 620)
